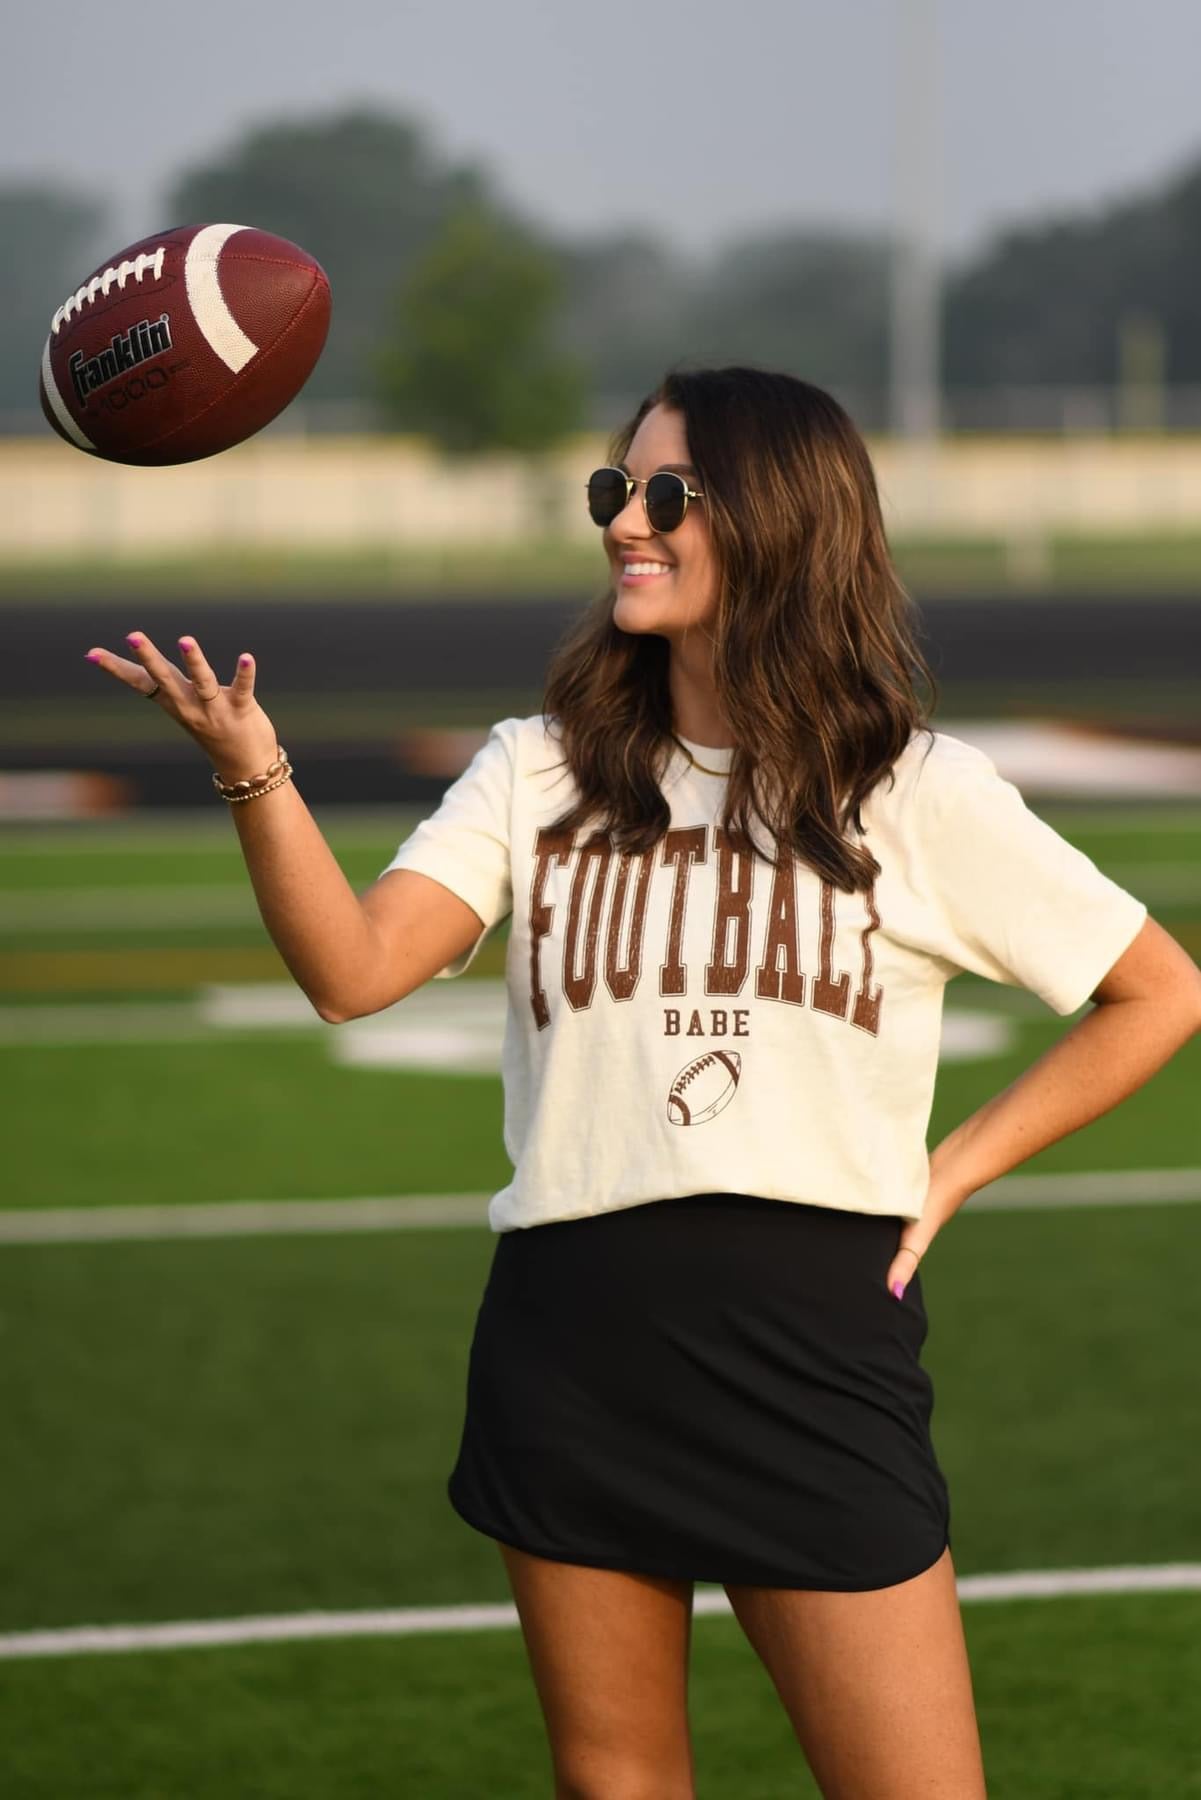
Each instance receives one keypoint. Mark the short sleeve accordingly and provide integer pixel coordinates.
(1008, 897)
(465, 843)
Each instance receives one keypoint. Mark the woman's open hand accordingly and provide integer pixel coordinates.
(227, 722)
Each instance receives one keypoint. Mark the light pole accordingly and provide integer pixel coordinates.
(914, 360)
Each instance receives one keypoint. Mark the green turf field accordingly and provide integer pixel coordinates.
(1163, 562)
(233, 1427)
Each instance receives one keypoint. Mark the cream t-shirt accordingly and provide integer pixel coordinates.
(687, 1021)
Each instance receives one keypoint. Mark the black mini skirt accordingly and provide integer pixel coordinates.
(713, 1388)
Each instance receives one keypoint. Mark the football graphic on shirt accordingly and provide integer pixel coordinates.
(702, 1088)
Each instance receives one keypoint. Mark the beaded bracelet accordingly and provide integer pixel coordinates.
(235, 791)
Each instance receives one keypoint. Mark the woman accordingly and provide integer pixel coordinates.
(741, 869)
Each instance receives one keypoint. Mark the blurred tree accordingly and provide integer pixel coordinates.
(52, 237)
(625, 303)
(1038, 306)
(469, 361)
(362, 192)
(811, 303)
(1047, 303)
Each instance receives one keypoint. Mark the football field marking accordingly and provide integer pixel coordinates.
(410, 1621)
(166, 905)
(456, 1029)
(421, 1212)
(184, 832)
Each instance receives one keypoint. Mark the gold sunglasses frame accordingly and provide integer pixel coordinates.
(634, 481)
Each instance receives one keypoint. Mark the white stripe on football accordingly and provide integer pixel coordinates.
(221, 330)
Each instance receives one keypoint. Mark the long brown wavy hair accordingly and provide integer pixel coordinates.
(814, 651)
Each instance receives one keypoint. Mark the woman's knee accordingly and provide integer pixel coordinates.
(609, 1653)
(876, 1684)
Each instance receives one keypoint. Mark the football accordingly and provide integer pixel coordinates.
(187, 342)
(702, 1088)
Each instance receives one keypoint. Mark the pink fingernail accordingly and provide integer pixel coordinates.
(133, 637)
(185, 643)
(897, 1289)
(244, 662)
(93, 656)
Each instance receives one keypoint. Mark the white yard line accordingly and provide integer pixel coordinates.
(410, 1621)
(418, 1212)
(241, 1218)
(189, 832)
(453, 1030)
(141, 907)
(1101, 1187)
(168, 905)
(196, 831)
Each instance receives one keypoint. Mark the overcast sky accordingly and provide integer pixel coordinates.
(695, 118)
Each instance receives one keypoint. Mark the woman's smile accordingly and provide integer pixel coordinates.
(641, 569)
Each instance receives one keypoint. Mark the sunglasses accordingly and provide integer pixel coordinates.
(665, 497)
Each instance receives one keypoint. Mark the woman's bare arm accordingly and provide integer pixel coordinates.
(1148, 1007)
(348, 955)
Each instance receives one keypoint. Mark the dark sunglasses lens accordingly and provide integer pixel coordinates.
(606, 495)
(666, 499)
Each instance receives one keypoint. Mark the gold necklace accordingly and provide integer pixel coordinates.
(695, 764)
